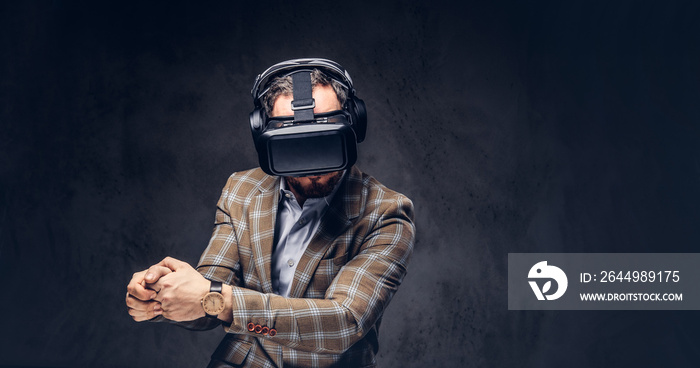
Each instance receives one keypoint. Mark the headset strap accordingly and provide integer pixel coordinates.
(303, 103)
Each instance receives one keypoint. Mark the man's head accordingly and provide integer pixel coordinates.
(307, 120)
(326, 99)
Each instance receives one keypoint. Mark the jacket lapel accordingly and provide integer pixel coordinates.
(344, 208)
(262, 216)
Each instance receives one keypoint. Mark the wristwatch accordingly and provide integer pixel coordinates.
(214, 302)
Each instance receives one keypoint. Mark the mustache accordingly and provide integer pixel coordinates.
(316, 188)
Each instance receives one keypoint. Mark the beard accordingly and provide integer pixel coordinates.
(315, 186)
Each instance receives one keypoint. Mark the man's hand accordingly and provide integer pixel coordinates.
(179, 292)
(140, 295)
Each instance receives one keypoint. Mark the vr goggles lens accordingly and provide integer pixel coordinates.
(322, 145)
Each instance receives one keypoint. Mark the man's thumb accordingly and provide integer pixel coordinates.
(154, 273)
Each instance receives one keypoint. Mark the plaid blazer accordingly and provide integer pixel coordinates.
(345, 279)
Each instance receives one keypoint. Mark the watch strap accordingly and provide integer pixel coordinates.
(216, 287)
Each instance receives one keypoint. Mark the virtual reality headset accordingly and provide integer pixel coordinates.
(307, 143)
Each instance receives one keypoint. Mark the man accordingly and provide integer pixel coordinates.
(301, 264)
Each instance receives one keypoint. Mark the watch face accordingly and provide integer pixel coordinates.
(213, 304)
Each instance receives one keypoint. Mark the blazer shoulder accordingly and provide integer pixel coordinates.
(376, 196)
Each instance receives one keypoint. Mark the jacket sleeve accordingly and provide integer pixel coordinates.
(353, 302)
(220, 261)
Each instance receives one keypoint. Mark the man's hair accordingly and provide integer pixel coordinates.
(283, 86)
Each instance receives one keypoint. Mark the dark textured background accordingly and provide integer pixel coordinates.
(553, 126)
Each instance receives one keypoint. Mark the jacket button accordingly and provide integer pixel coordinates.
(258, 328)
(265, 330)
(272, 332)
(251, 326)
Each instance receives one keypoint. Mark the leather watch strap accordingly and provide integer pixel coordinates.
(216, 287)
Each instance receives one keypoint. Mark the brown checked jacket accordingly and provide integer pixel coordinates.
(344, 281)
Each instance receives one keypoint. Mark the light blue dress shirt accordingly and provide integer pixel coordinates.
(294, 229)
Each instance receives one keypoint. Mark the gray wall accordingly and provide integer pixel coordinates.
(515, 127)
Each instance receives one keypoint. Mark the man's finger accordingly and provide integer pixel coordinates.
(142, 311)
(137, 287)
(133, 302)
(154, 273)
(140, 316)
(172, 263)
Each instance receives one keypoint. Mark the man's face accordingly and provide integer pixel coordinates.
(319, 185)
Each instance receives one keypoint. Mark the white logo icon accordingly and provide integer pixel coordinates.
(542, 271)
